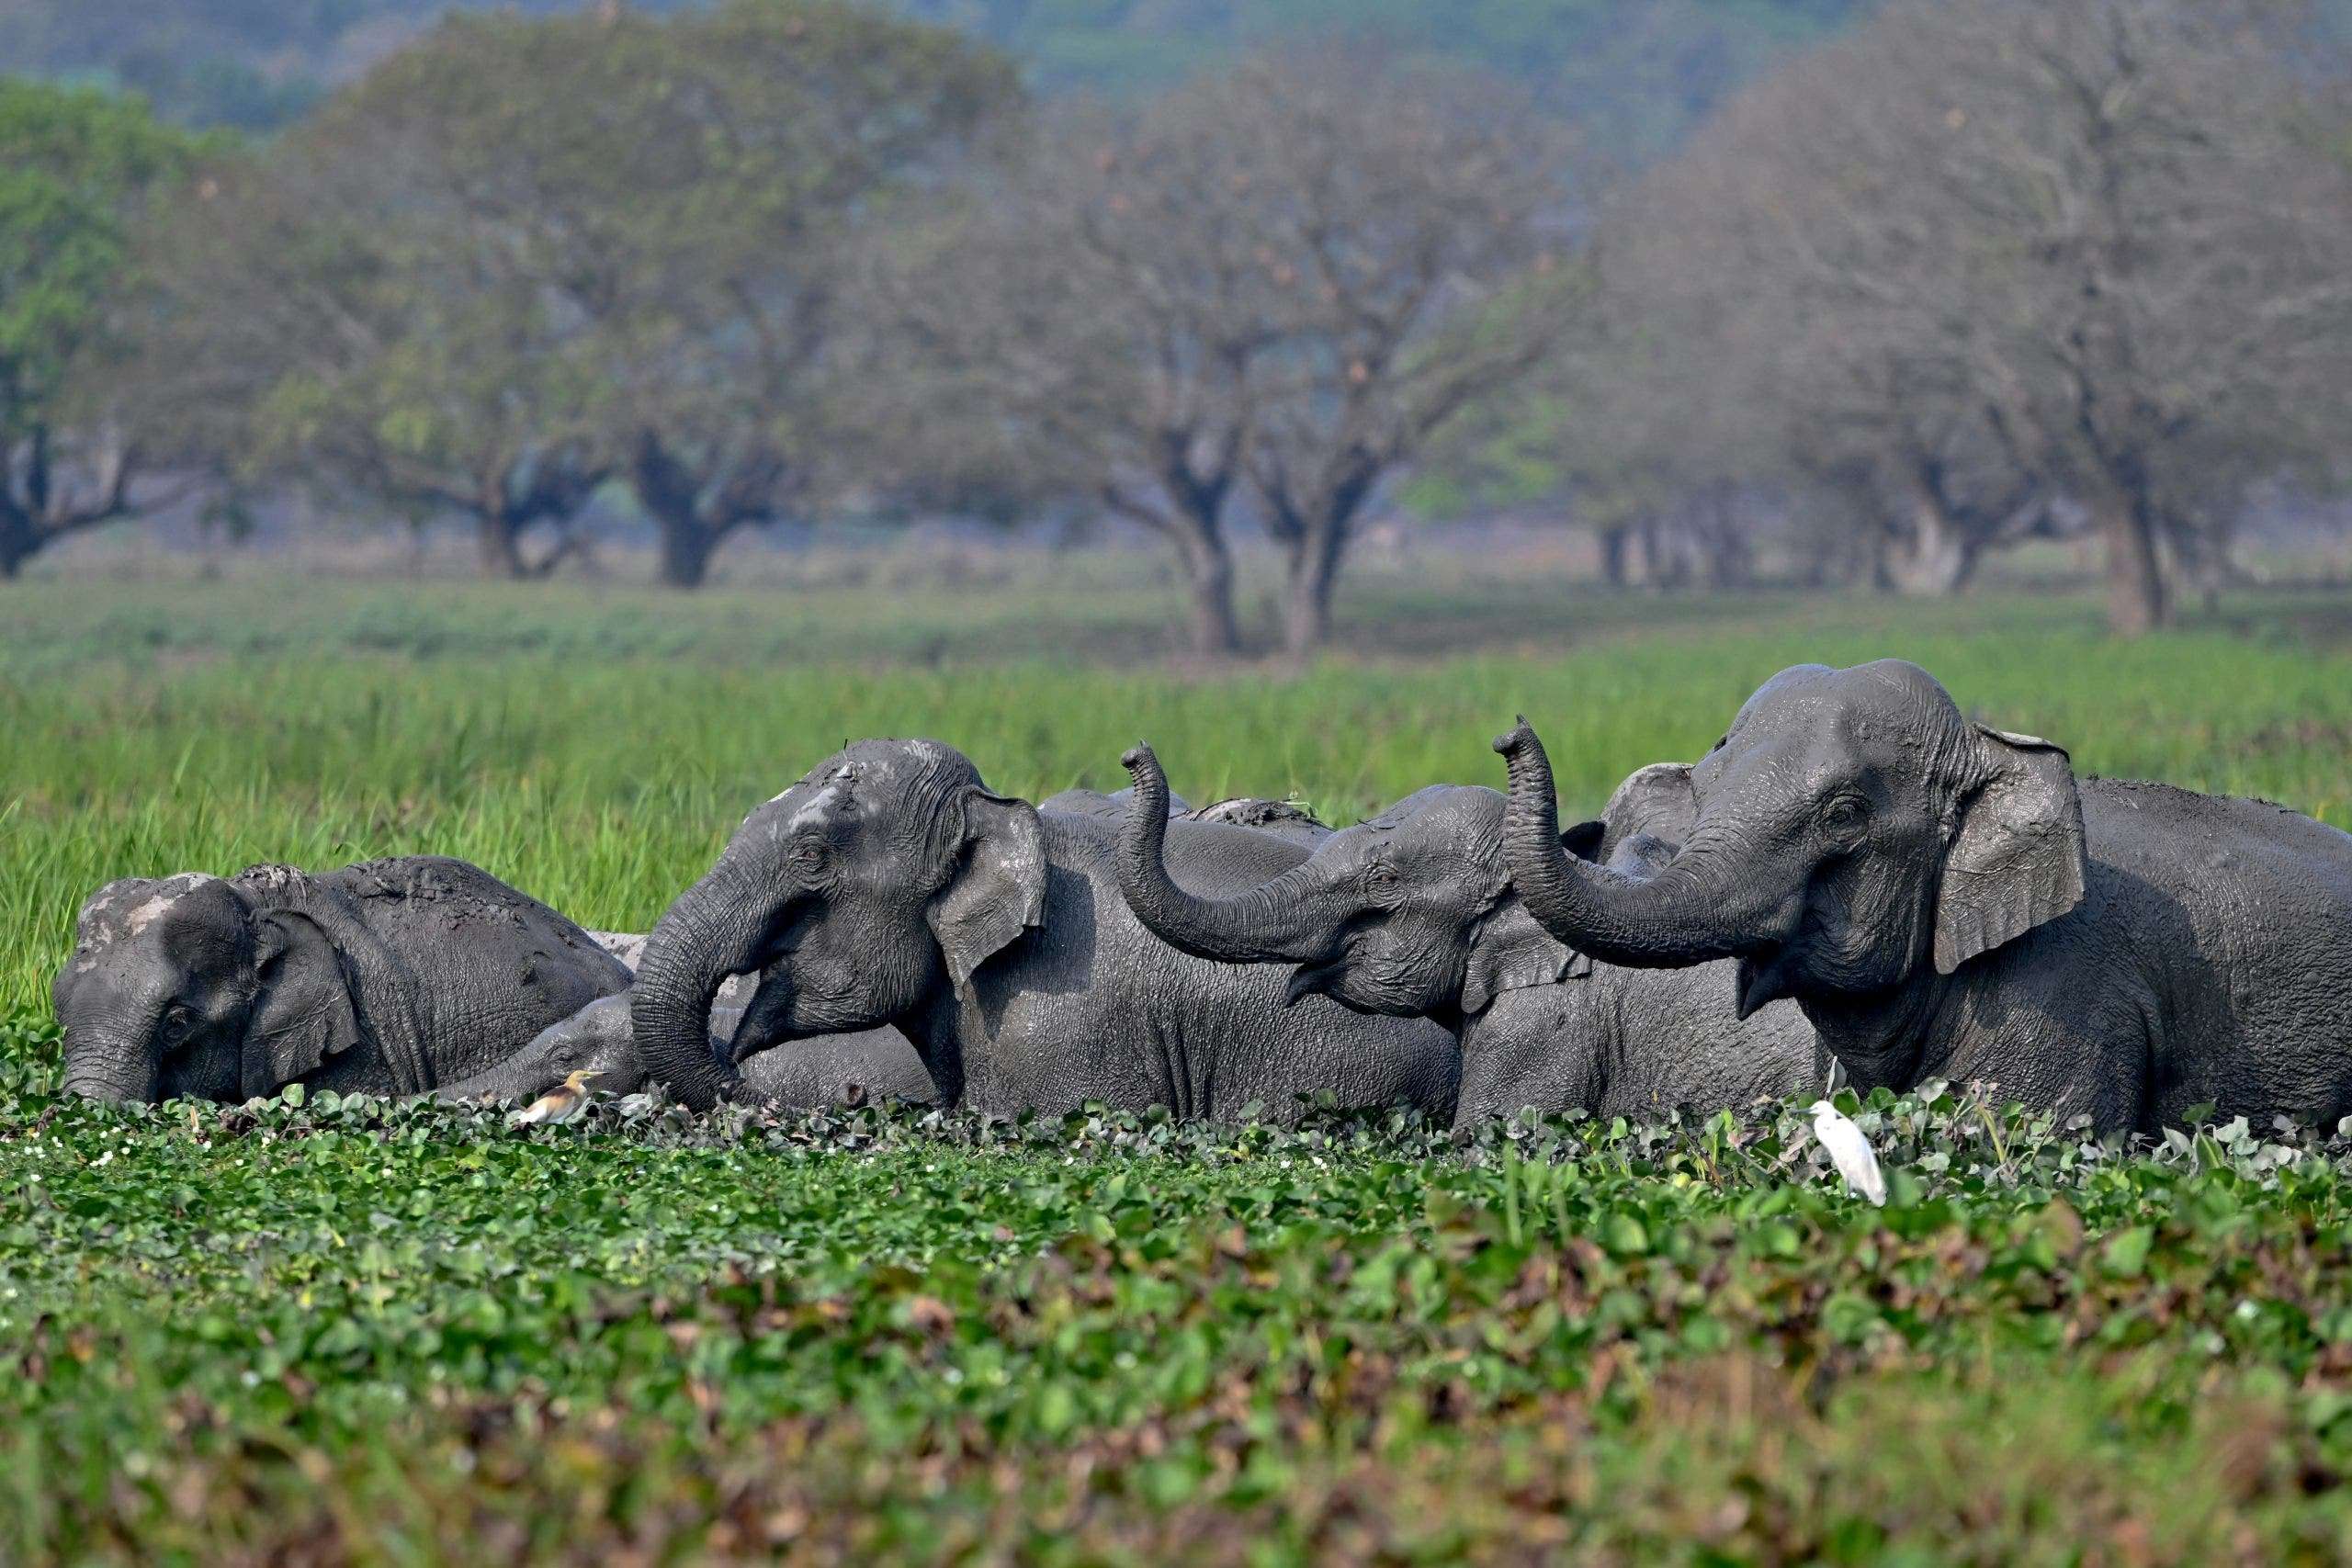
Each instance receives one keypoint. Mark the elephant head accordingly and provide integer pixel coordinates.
(1408, 914)
(1850, 827)
(196, 986)
(595, 1040)
(854, 894)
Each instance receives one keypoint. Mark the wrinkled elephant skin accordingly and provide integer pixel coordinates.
(1946, 900)
(388, 978)
(1411, 914)
(890, 886)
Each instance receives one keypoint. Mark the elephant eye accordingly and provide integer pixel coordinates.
(177, 1019)
(810, 854)
(1842, 815)
(1382, 880)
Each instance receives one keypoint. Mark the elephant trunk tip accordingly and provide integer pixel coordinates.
(1517, 739)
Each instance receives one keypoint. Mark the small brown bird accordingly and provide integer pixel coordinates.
(561, 1103)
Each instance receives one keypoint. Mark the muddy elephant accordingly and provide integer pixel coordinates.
(869, 1067)
(874, 1064)
(1411, 914)
(1946, 900)
(390, 976)
(889, 885)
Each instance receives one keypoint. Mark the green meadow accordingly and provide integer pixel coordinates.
(347, 1331)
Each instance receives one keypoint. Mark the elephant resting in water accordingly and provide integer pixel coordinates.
(833, 1069)
(889, 885)
(390, 977)
(1411, 914)
(1947, 901)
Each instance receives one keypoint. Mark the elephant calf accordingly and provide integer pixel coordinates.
(1411, 914)
(890, 886)
(1945, 900)
(388, 978)
(873, 1064)
(834, 1070)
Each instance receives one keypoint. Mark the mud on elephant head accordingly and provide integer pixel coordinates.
(387, 976)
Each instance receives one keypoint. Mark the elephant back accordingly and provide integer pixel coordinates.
(493, 964)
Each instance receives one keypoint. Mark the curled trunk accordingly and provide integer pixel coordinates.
(1274, 923)
(711, 932)
(1669, 920)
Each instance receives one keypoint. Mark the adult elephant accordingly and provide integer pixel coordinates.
(1413, 915)
(1945, 900)
(890, 886)
(390, 976)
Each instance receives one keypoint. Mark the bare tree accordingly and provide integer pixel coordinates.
(1421, 225)
(2016, 251)
(1280, 280)
(1097, 328)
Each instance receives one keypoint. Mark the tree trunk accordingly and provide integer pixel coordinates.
(687, 544)
(1313, 572)
(1613, 540)
(2135, 581)
(1208, 582)
(21, 538)
(672, 496)
(501, 547)
(1936, 558)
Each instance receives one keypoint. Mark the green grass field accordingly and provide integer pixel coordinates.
(326, 1331)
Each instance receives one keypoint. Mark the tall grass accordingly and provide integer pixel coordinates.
(605, 784)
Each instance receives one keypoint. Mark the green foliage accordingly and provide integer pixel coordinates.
(528, 254)
(76, 166)
(401, 1330)
(596, 745)
(322, 1327)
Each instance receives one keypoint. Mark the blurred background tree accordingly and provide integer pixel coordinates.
(1807, 288)
(77, 168)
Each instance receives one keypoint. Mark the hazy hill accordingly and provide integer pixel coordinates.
(1637, 71)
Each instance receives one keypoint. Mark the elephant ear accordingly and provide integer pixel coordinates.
(2015, 856)
(1656, 800)
(1584, 839)
(1512, 953)
(1642, 855)
(999, 890)
(304, 1012)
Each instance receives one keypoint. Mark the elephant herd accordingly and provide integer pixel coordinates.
(1855, 874)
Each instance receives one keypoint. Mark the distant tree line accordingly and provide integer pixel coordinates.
(1978, 271)
(1970, 272)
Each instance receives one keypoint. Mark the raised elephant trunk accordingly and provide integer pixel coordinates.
(1274, 923)
(1667, 921)
(714, 931)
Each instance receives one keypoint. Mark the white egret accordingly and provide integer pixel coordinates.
(1850, 1151)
